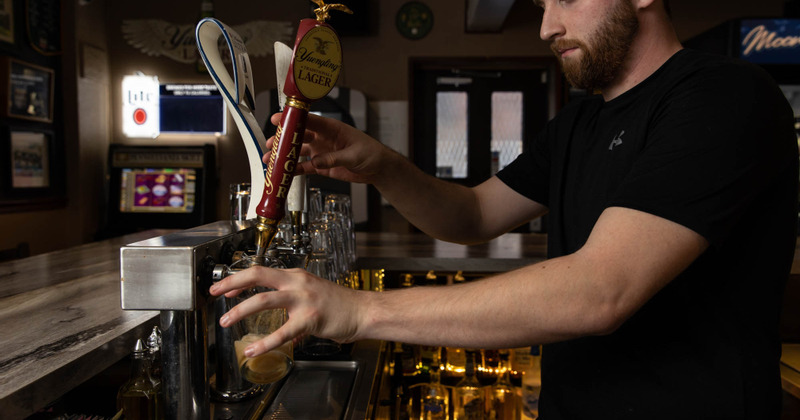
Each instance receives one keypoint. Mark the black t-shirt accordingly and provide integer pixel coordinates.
(707, 142)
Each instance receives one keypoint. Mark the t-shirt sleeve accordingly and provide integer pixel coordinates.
(715, 143)
(529, 173)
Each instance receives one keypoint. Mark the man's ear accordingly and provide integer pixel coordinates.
(643, 4)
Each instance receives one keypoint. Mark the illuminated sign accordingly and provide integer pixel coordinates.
(140, 106)
(191, 108)
(770, 41)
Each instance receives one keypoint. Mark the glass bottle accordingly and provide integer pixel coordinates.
(154, 348)
(435, 398)
(521, 361)
(407, 280)
(426, 356)
(505, 405)
(400, 403)
(410, 360)
(431, 279)
(531, 386)
(488, 369)
(454, 366)
(468, 401)
(138, 398)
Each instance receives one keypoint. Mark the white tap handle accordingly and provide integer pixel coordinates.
(238, 93)
(296, 199)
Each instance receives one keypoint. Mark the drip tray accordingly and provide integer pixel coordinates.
(315, 390)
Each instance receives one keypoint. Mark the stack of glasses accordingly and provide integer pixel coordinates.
(333, 214)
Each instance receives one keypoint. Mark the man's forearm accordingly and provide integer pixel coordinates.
(547, 302)
(439, 208)
(629, 256)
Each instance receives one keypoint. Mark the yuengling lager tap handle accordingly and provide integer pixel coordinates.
(313, 72)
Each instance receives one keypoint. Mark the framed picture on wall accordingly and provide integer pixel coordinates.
(7, 21)
(31, 169)
(43, 25)
(30, 90)
(29, 159)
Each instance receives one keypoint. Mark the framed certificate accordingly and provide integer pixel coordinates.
(30, 90)
(29, 159)
(31, 169)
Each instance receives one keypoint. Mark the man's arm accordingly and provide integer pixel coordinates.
(442, 209)
(453, 212)
(628, 258)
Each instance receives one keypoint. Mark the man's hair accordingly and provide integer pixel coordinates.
(666, 7)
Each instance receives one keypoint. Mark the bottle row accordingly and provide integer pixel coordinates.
(443, 383)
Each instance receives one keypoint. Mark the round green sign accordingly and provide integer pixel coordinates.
(414, 20)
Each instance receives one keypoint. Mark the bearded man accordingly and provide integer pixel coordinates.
(672, 202)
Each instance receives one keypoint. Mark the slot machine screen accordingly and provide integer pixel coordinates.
(152, 190)
(160, 187)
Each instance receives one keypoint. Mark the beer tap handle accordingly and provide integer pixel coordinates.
(313, 71)
(237, 91)
(280, 170)
(295, 202)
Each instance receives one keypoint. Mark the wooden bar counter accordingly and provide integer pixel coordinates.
(62, 323)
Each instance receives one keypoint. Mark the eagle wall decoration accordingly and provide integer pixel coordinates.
(156, 37)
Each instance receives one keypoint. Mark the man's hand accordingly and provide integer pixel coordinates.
(337, 150)
(316, 307)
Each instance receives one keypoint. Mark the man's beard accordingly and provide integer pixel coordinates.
(602, 60)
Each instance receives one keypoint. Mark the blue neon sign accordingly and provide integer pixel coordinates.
(770, 41)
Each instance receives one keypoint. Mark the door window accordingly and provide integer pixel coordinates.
(506, 143)
(451, 135)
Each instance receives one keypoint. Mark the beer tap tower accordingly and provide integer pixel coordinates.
(173, 273)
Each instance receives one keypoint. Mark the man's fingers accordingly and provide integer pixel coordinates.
(304, 168)
(312, 121)
(293, 289)
(324, 161)
(233, 293)
(275, 119)
(257, 303)
(240, 280)
(308, 137)
(318, 123)
(284, 334)
(253, 276)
